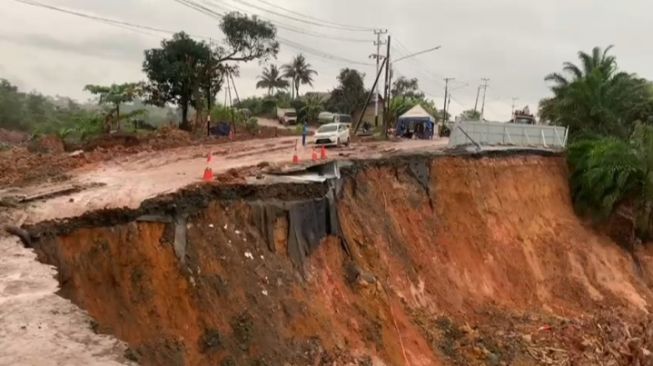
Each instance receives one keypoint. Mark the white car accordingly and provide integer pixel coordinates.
(332, 134)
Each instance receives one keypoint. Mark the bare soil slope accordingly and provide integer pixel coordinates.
(440, 260)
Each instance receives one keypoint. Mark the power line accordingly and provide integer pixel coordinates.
(426, 71)
(277, 23)
(212, 13)
(301, 20)
(349, 27)
(319, 53)
(139, 27)
(420, 67)
(110, 21)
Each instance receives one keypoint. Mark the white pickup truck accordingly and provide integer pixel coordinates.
(287, 116)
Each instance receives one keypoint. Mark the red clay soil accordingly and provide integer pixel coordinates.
(485, 264)
(10, 137)
(45, 159)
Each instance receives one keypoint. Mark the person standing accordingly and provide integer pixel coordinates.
(304, 133)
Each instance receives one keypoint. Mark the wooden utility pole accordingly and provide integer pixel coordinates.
(233, 83)
(369, 97)
(446, 95)
(485, 85)
(386, 92)
(478, 93)
(377, 56)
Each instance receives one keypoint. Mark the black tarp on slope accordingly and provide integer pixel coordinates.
(309, 222)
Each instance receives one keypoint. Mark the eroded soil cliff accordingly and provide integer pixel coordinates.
(420, 260)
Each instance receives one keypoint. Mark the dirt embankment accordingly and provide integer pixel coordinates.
(432, 261)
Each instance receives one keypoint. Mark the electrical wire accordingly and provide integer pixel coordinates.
(119, 23)
(350, 27)
(421, 68)
(139, 28)
(212, 13)
(301, 20)
(223, 6)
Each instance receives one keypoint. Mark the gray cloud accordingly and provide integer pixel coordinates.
(513, 42)
(102, 46)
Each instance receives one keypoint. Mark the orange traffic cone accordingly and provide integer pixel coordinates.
(208, 172)
(295, 157)
(314, 155)
(323, 153)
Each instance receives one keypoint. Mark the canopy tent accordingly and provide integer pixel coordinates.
(416, 122)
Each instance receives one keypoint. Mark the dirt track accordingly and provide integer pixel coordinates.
(128, 181)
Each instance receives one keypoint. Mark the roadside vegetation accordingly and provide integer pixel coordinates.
(609, 114)
(183, 78)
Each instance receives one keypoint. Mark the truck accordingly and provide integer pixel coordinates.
(287, 116)
(523, 116)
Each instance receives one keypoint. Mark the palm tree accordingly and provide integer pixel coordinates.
(595, 97)
(596, 62)
(299, 72)
(607, 172)
(271, 79)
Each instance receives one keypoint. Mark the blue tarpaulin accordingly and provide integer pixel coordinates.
(221, 129)
(416, 123)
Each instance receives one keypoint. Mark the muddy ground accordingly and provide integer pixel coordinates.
(48, 159)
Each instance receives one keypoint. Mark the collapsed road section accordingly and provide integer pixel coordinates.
(411, 260)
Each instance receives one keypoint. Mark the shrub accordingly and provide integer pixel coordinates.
(251, 125)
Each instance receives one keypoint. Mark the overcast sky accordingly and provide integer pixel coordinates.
(515, 43)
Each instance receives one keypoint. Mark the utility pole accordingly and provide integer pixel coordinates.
(386, 90)
(485, 85)
(446, 95)
(233, 83)
(208, 113)
(231, 105)
(377, 56)
(478, 93)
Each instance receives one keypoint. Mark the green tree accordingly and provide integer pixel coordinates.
(596, 97)
(299, 72)
(608, 171)
(409, 88)
(174, 72)
(116, 95)
(11, 107)
(271, 80)
(186, 72)
(350, 93)
(430, 107)
(470, 115)
(312, 108)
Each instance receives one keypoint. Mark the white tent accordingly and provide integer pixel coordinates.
(417, 112)
(416, 123)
